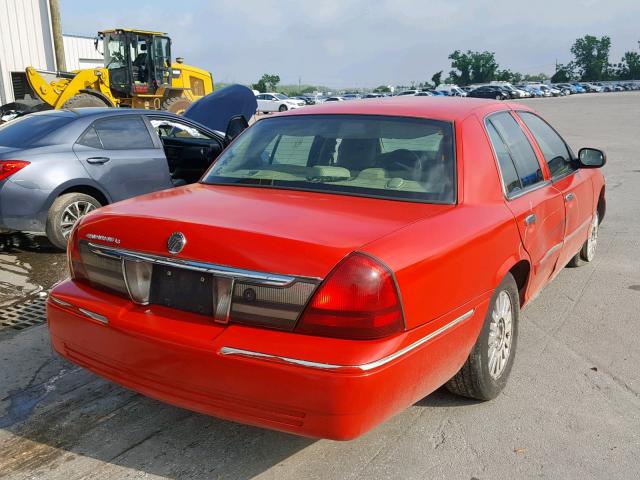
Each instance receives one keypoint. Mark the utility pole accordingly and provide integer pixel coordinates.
(58, 43)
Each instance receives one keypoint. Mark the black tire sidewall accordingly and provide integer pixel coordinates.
(84, 100)
(175, 104)
(54, 217)
(283, 108)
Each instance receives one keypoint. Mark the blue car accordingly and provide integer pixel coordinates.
(535, 92)
(579, 88)
(57, 166)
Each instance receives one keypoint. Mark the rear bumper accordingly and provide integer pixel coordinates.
(22, 209)
(246, 374)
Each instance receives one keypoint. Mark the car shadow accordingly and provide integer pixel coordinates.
(60, 418)
(444, 398)
(17, 241)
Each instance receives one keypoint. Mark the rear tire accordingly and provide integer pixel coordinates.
(176, 105)
(588, 251)
(485, 373)
(66, 210)
(84, 100)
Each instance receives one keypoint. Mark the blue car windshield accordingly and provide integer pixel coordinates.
(27, 130)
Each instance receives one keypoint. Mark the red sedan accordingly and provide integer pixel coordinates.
(335, 265)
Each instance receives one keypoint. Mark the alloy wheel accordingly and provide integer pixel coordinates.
(500, 334)
(74, 212)
(592, 241)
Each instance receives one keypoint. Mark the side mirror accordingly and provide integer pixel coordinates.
(235, 127)
(591, 158)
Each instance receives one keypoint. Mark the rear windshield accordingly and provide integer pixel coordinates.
(27, 130)
(388, 157)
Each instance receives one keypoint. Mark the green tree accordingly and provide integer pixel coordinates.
(381, 89)
(564, 73)
(436, 79)
(472, 67)
(629, 67)
(591, 57)
(266, 83)
(507, 75)
(536, 77)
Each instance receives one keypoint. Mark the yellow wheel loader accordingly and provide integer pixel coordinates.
(137, 73)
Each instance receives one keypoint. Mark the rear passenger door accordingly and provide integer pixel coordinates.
(537, 206)
(189, 150)
(119, 154)
(575, 186)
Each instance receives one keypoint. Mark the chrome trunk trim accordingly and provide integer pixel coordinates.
(271, 279)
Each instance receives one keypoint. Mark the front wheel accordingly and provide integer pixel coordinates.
(283, 108)
(588, 251)
(485, 373)
(64, 213)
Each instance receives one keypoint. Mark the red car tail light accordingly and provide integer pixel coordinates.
(9, 167)
(100, 271)
(358, 300)
(76, 269)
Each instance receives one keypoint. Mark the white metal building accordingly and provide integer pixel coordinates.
(26, 39)
(80, 52)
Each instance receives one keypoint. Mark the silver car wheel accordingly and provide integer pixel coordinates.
(74, 212)
(500, 334)
(592, 241)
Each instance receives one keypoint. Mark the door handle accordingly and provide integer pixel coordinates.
(569, 197)
(530, 219)
(97, 160)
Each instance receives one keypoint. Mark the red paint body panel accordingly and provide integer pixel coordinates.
(177, 361)
(280, 231)
(446, 260)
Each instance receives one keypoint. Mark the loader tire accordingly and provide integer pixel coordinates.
(83, 100)
(176, 105)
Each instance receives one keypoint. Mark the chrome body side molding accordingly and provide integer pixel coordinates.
(237, 352)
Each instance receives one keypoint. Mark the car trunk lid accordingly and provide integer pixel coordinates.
(261, 229)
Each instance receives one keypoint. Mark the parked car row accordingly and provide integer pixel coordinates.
(494, 90)
(505, 91)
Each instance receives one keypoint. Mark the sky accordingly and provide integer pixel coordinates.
(362, 43)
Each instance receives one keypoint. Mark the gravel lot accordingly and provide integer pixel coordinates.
(571, 409)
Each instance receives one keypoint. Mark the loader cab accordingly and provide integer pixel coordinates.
(138, 62)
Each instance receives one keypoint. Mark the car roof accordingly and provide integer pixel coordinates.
(98, 111)
(437, 107)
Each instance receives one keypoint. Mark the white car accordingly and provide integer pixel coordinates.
(451, 90)
(277, 102)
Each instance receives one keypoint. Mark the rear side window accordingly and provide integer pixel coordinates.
(123, 133)
(519, 148)
(510, 178)
(554, 150)
(90, 138)
(30, 129)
